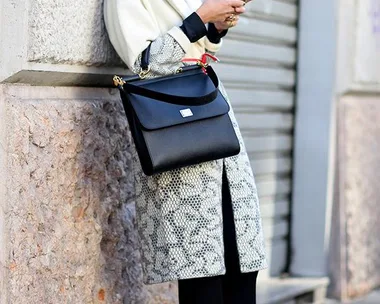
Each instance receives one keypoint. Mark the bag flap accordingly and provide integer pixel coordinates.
(154, 114)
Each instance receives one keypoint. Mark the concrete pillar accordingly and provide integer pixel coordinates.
(67, 231)
(314, 139)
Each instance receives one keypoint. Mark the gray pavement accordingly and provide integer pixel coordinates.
(372, 298)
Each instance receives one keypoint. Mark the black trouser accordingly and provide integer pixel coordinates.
(232, 288)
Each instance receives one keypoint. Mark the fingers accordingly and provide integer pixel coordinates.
(231, 22)
(236, 3)
(240, 10)
(238, 6)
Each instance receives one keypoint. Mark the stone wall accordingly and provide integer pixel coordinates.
(69, 32)
(67, 216)
(56, 42)
(69, 212)
(356, 221)
(3, 174)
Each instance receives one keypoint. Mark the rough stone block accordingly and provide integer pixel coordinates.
(166, 293)
(3, 162)
(67, 213)
(56, 42)
(358, 266)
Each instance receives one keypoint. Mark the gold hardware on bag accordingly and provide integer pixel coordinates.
(143, 73)
(118, 81)
(203, 65)
(179, 70)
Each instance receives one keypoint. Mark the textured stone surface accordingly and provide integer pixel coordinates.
(56, 42)
(70, 215)
(3, 164)
(163, 294)
(372, 298)
(359, 173)
(72, 32)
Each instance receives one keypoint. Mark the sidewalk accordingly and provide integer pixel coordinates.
(372, 298)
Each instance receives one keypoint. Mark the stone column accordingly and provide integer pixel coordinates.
(355, 249)
(67, 229)
(3, 239)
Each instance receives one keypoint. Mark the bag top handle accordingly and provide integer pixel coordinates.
(175, 99)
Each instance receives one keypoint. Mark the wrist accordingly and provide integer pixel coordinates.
(193, 27)
(213, 35)
(219, 28)
(202, 13)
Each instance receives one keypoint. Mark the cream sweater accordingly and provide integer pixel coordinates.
(133, 24)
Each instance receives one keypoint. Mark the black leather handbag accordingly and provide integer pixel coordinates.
(177, 120)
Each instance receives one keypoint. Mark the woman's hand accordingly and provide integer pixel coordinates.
(218, 11)
(226, 24)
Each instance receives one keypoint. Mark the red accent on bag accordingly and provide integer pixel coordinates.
(203, 61)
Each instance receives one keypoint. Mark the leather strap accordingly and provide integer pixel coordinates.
(175, 99)
(145, 56)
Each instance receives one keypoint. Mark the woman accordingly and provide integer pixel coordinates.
(199, 225)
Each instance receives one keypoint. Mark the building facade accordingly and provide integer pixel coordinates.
(334, 217)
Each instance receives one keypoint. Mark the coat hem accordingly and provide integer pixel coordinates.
(263, 265)
(176, 278)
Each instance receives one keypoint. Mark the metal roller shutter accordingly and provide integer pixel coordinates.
(258, 69)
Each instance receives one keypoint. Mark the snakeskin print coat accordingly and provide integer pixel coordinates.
(179, 213)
